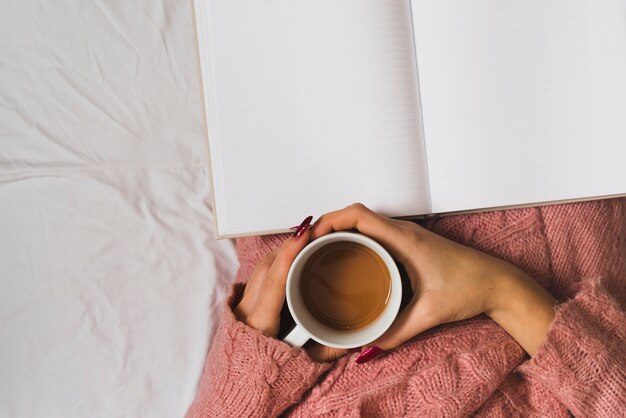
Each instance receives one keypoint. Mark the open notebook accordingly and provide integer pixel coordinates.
(410, 107)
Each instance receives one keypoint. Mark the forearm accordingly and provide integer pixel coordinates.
(249, 374)
(524, 309)
(583, 356)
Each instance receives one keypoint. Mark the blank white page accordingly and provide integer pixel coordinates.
(311, 105)
(523, 101)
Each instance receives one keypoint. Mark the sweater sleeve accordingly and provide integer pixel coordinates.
(582, 362)
(249, 374)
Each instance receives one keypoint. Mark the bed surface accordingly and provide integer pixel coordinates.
(109, 272)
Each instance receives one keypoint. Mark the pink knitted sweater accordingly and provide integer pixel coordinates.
(576, 251)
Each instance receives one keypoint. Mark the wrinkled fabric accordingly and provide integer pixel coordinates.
(110, 276)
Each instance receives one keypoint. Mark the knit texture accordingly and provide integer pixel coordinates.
(576, 251)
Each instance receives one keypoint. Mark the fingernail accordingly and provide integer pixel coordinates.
(368, 354)
(298, 226)
(300, 230)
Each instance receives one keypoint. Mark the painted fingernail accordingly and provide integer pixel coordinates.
(368, 354)
(298, 226)
(303, 226)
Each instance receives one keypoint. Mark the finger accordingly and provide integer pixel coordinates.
(356, 216)
(319, 352)
(273, 289)
(255, 282)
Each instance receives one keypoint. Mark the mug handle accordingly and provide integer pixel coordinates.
(297, 337)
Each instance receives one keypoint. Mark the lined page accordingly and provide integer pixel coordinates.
(523, 101)
(311, 105)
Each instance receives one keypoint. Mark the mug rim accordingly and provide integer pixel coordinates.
(381, 324)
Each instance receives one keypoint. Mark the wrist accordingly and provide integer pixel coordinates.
(523, 308)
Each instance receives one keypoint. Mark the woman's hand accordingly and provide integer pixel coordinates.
(264, 294)
(451, 282)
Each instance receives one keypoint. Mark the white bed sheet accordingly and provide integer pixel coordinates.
(109, 274)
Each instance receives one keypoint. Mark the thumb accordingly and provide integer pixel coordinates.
(409, 323)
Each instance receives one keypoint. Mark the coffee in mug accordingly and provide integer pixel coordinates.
(345, 285)
(343, 290)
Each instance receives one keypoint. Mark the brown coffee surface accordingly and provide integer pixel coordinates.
(345, 285)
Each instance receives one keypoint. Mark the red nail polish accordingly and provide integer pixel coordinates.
(303, 226)
(368, 354)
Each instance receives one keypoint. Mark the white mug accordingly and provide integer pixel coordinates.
(308, 327)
